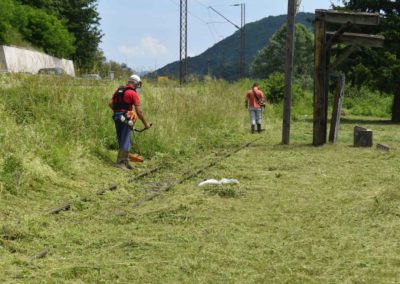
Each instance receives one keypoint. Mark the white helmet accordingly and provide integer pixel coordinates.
(135, 79)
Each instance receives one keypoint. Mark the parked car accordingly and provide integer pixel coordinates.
(91, 76)
(52, 71)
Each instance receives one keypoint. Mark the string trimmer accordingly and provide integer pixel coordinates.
(136, 157)
(129, 118)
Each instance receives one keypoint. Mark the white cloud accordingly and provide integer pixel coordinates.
(148, 47)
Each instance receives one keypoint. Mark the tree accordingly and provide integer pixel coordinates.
(271, 58)
(383, 64)
(82, 20)
(45, 31)
(6, 16)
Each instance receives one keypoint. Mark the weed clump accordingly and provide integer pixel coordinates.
(225, 191)
(12, 174)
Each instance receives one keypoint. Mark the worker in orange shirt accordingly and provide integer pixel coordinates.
(255, 104)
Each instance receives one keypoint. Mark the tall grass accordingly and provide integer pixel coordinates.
(62, 123)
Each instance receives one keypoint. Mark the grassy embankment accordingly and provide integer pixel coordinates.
(299, 214)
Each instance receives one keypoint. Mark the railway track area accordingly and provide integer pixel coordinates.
(151, 183)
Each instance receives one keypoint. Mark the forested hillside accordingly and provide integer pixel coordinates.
(222, 59)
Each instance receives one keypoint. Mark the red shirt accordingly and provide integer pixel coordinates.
(131, 97)
(252, 101)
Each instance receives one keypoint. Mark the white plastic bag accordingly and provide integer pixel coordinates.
(221, 181)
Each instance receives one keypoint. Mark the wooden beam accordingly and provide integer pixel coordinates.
(363, 40)
(320, 68)
(290, 39)
(333, 38)
(342, 57)
(337, 108)
(340, 17)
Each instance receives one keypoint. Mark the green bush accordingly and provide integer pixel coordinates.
(365, 102)
(45, 31)
(274, 87)
(6, 16)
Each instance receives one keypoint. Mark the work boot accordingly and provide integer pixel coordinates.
(120, 160)
(259, 130)
(252, 128)
(126, 160)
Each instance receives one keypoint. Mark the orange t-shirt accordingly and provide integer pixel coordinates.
(252, 101)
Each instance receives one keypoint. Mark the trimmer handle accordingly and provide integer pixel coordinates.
(143, 129)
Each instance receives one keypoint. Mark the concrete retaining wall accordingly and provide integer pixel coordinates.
(15, 59)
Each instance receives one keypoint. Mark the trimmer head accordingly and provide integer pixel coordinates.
(133, 157)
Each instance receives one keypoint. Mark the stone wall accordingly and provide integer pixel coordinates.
(21, 60)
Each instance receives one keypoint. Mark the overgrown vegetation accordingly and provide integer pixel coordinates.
(63, 123)
(271, 58)
(299, 214)
(67, 29)
(378, 68)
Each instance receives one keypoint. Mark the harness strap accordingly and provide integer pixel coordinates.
(119, 103)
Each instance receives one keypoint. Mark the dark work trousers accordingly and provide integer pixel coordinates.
(123, 134)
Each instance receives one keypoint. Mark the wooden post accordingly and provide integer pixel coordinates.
(337, 108)
(320, 68)
(396, 105)
(322, 57)
(292, 5)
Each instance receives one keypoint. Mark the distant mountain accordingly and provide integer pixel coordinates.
(222, 59)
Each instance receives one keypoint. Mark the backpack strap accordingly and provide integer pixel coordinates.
(259, 101)
(119, 103)
(255, 95)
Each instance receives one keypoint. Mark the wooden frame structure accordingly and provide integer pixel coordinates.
(324, 40)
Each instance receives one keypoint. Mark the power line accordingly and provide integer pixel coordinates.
(190, 13)
(242, 35)
(236, 26)
(213, 32)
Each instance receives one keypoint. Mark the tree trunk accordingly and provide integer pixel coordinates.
(396, 106)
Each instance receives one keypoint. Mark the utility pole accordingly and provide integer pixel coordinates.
(242, 54)
(242, 62)
(290, 38)
(183, 43)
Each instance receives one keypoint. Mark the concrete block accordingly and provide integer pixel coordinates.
(22, 60)
(362, 137)
(383, 147)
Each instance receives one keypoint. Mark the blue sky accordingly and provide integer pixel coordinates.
(145, 33)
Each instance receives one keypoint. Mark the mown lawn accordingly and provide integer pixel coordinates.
(301, 214)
